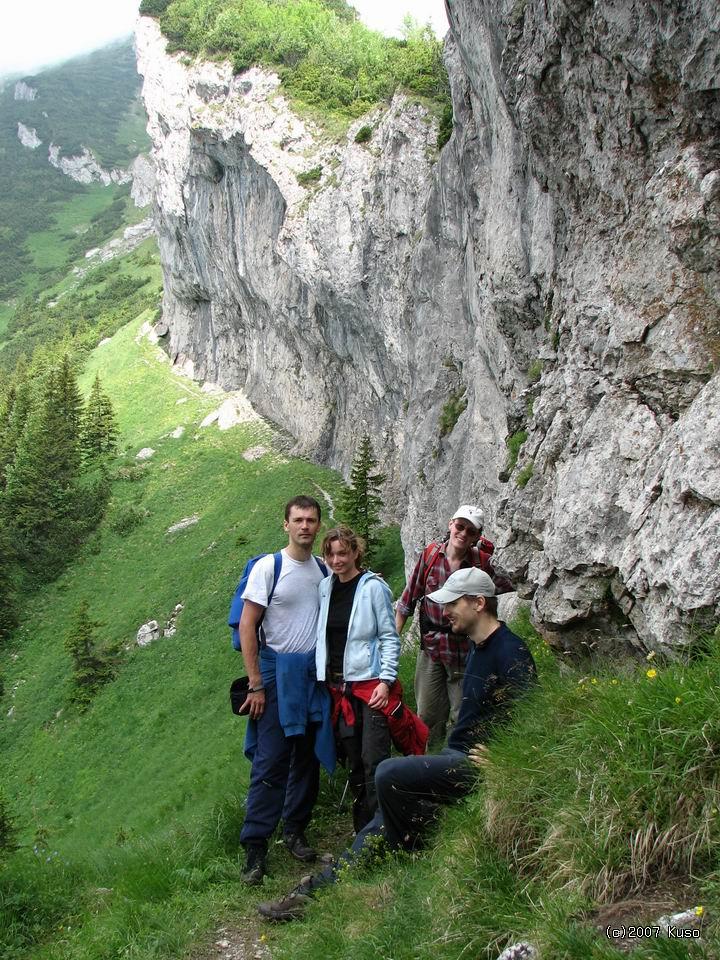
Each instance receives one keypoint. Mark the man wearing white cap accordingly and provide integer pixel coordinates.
(499, 669)
(443, 652)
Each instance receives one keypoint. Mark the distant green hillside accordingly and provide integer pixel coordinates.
(83, 309)
(90, 101)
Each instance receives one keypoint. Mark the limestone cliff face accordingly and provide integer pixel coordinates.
(298, 293)
(568, 230)
(611, 110)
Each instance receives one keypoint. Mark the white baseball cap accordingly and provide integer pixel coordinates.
(468, 582)
(468, 512)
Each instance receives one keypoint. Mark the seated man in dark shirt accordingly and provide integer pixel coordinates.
(499, 668)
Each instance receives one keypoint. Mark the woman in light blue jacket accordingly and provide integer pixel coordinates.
(357, 654)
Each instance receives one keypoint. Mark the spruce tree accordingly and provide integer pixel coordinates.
(91, 668)
(98, 427)
(41, 504)
(14, 412)
(360, 503)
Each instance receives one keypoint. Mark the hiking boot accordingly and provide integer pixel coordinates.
(298, 846)
(291, 907)
(255, 866)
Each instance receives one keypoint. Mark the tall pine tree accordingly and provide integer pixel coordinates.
(41, 504)
(14, 412)
(360, 503)
(99, 432)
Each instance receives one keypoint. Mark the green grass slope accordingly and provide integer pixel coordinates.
(84, 308)
(139, 796)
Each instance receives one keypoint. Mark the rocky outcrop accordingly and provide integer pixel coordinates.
(131, 238)
(553, 271)
(142, 170)
(290, 254)
(28, 136)
(24, 91)
(84, 167)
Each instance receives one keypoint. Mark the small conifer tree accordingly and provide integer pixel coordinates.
(360, 503)
(99, 430)
(91, 667)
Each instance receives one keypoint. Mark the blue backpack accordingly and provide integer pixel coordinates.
(237, 603)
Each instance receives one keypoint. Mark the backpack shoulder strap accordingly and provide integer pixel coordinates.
(277, 557)
(323, 568)
(430, 554)
(277, 567)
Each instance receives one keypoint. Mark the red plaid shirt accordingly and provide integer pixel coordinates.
(435, 636)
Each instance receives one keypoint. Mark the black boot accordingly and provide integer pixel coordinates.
(255, 864)
(298, 846)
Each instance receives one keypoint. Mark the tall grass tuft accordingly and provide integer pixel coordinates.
(607, 783)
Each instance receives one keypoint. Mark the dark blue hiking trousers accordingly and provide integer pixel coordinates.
(284, 779)
(409, 790)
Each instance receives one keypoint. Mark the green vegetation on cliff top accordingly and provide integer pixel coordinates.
(325, 56)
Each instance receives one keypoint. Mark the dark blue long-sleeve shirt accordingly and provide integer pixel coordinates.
(497, 672)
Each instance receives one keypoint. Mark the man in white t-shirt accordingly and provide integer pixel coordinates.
(285, 771)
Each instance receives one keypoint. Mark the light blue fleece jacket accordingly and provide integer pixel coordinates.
(373, 645)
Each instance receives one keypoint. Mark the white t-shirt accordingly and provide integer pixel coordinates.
(290, 622)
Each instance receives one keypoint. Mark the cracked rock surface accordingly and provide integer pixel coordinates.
(554, 269)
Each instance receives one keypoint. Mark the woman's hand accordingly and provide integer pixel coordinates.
(380, 696)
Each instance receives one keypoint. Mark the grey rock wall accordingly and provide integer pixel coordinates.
(614, 115)
(555, 270)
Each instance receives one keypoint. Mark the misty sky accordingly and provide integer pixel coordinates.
(36, 33)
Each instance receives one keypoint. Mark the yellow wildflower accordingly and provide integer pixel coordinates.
(699, 911)
(678, 699)
(651, 674)
(594, 680)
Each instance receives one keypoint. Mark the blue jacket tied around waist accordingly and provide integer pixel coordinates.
(302, 701)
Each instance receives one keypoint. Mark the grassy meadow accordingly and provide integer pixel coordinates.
(140, 797)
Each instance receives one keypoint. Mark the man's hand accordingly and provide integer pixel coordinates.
(254, 704)
(479, 756)
(380, 696)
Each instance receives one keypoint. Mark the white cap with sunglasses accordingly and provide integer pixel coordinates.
(473, 515)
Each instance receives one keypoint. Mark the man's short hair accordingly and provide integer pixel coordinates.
(303, 503)
(491, 606)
